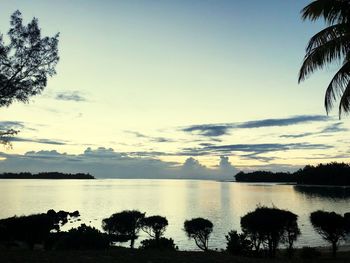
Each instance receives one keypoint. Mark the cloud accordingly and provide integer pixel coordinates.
(70, 96)
(216, 130)
(34, 140)
(107, 163)
(332, 128)
(335, 127)
(150, 138)
(8, 125)
(251, 151)
(284, 121)
(209, 130)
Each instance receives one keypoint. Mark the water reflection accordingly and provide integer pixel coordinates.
(325, 192)
(221, 202)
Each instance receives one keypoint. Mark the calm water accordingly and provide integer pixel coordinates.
(221, 202)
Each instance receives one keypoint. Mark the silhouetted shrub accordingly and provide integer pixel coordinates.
(154, 226)
(161, 244)
(238, 244)
(309, 253)
(199, 229)
(82, 238)
(330, 226)
(124, 226)
(269, 227)
(32, 229)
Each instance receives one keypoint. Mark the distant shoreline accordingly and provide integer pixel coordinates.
(47, 175)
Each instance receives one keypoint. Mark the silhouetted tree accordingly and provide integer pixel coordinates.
(324, 174)
(154, 226)
(330, 226)
(35, 228)
(270, 227)
(199, 229)
(291, 231)
(238, 244)
(124, 225)
(25, 63)
(265, 176)
(331, 44)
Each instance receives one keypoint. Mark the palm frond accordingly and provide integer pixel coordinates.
(315, 59)
(344, 105)
(328, 34)
(337, 85)
(332, 11)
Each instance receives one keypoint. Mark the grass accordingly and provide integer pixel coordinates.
(117, 255)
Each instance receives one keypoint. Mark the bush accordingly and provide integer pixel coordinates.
(238, 244)
(308, 253)
(162, 244)
(81, 238)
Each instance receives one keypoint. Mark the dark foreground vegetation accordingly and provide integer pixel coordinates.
(46, 175)
(322, 174)
(125, 255)
(267, 232)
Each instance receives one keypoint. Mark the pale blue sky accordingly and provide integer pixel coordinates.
(135, 76)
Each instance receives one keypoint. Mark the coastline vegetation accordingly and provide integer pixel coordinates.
(46, 175)
(267, 232)
(337, 174)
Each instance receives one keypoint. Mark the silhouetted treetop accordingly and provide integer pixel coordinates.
(199, 229)
(331, 226)
(26, 62)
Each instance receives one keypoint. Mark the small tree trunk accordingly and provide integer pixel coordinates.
(132, 242)
(334, 249)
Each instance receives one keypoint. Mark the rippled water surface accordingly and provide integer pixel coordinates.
(221, 202)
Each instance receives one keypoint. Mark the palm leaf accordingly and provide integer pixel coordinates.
(337, 85)
(330, 10)
(330, 51)
(344, 105)
(328, 34)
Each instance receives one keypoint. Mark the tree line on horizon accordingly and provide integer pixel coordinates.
(322, 174)
(46, 175)
(264, 230)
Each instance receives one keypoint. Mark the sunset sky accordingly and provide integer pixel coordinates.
(193, 89)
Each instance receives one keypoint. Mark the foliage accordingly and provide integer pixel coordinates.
(331, 226)
(124, 226)
(269, 227)
(26, 62)
(199, 229)
(82, 238)
(265, 176)
(154, 226)
(325, 174)
(161, 244)
(331, 44)
(45, 175)
(238, 244)
(35, 228)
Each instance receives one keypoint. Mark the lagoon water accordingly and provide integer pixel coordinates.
(221, 202)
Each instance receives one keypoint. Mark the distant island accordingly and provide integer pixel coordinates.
(45, 175)
(334, 173)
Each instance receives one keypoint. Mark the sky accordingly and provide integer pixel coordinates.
(173, 89)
